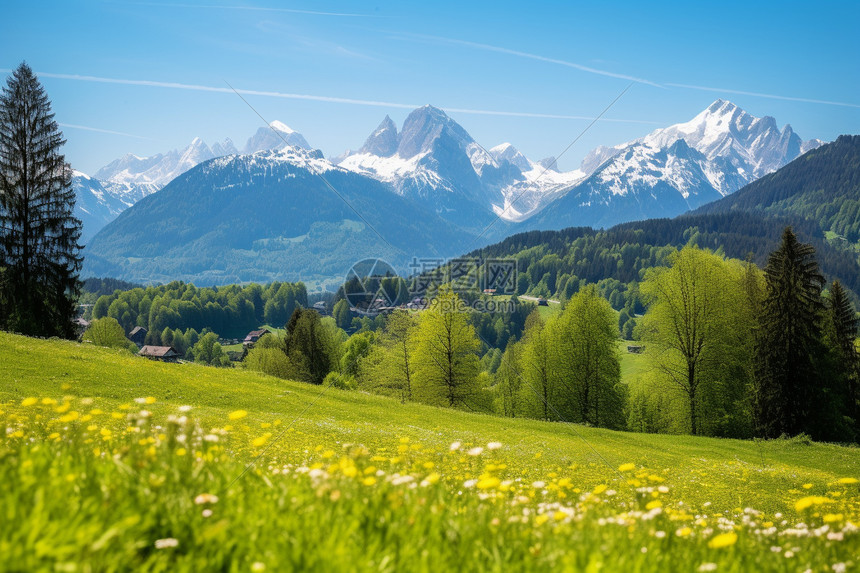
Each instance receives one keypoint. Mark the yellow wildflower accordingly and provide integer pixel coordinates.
(237, 414)
(723, 540)
(488, 483)
(807, 502)
(70, 417)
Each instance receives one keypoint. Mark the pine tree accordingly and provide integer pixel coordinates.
(843, 324)
(310, 346)
(39, 251)
(790, 340)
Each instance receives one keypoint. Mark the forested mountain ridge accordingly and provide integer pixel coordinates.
(261, 217)
(822, 185)
(548, 259)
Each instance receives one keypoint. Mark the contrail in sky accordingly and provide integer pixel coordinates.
(254, 9)
(757, 94)
(591, 70)
(100, 130)
(501, 50)
(309, 97)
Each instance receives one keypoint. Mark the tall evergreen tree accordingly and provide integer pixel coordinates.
(843, 323)
(789, 343)
(39, 252)
(310, 346)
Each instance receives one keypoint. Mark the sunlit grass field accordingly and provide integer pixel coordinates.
(112, 462)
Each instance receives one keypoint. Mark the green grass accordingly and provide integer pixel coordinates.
(325, 495)
(632, 365)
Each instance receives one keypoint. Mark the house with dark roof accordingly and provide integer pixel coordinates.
(162, 353)
(138, 335)
(81, 326)
(320, 308)
(254, 336)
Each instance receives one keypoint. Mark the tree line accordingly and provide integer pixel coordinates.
(740, 352)
(230, 311)
(729, 350)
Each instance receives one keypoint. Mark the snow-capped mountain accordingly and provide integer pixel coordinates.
(267, 216)
(675, 169)
(276, 136)
(95, 206)
(132, 178)
(125, 181)
(435, 161)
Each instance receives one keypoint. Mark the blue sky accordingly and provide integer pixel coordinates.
(517, 61)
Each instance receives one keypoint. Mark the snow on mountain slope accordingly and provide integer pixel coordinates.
(434, 160)
(308, 159)
(276, 136)
(675, 169)
(130, 178)
(740, 146)
(95, 206)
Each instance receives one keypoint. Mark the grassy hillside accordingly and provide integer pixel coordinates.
(89, 479)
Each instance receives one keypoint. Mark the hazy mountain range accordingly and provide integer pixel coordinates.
(433, 166)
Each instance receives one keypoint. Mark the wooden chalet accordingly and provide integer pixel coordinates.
(138, 336)
(255, 335)
(162, 353)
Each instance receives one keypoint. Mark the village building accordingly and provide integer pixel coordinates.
(138, 335)
(254, 336)
(320, 308)
(162, 353)
(81, 325)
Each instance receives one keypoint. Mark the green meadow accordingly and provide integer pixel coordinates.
(112, 462)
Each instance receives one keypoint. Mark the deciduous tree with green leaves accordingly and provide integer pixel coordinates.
(584, 348)
(446, 354)
(208, 351)
(108, 332)
(690, 333)
(390, 366)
